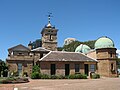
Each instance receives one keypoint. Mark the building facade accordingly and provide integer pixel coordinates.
(66, 63)
(105, 54)
(21, 59)
(107, 62)
(44, 52)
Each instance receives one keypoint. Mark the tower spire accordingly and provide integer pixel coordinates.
(49, 17)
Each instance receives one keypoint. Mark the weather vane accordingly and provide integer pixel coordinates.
(49, 16)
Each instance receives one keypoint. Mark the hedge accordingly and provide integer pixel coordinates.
(37, 75)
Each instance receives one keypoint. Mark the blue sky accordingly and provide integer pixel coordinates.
(21, 21)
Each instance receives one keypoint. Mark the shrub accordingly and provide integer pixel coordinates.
(45, 76)
(61, 77)
(36, 68)
(13, 80)
(5, 81)
(54, 77)
(36, 72)
(72, 76)
(35, 75)
(77, 76)
(95, 76)
(10, 78)
(83, 76)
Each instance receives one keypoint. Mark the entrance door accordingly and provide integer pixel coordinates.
(67, 69)
(86, 69)
(53, 69)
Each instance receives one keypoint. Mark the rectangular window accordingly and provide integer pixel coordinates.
(110, 54)
(112, 67)
(92, 67)
(19, 68)
(77, 68)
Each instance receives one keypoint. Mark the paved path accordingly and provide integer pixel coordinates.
(88, 84)
(6, 87)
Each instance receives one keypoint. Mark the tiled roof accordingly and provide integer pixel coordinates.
(19, 47)
(66, 56)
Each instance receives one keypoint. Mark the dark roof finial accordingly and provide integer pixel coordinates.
(49, 16)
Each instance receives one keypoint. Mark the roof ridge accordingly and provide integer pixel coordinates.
(64, 52)
(68, 56)
(45, 56)
(17, 46)
(40, 48)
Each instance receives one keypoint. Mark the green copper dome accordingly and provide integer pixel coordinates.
(83, 49)
(104, 42)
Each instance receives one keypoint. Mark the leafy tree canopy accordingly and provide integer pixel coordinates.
(118, 62)
(3, 68)
(35, 68)
(72, 46)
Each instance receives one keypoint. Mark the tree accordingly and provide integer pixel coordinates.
(90, 43)
(72, 46)
(59, 48)
(36, 68)
(118, 63)
(3, 69)
(35, 72)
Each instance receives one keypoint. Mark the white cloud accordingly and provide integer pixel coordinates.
(118, 52)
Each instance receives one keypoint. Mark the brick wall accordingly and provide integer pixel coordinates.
(26, 66)
(60, 67)
(105, 58)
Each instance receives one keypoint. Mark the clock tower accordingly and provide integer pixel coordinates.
(49, 36)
